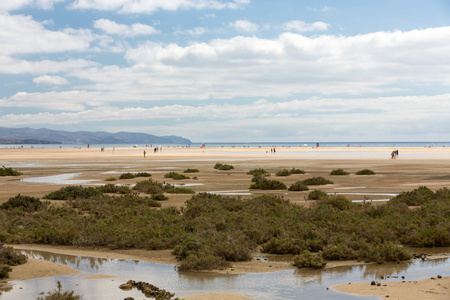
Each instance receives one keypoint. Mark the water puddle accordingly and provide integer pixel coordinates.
(58, 179)
(310, 284)
(232, 193)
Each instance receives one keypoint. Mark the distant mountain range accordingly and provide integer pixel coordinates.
(49, 136)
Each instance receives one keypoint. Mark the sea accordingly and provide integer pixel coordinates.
(242, 144)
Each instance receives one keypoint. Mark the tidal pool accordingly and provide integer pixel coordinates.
(58, 179)
(305, 284)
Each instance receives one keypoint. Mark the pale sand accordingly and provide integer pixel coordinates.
(430, 289)
(393, 176)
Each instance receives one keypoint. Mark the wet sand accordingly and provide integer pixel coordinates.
(415, 167)
(429, 288)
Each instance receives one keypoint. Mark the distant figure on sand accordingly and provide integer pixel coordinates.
(144, 153)
(393, 155)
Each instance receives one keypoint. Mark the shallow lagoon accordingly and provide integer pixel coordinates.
(291, 284)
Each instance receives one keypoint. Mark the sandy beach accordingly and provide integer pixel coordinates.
(48, 169)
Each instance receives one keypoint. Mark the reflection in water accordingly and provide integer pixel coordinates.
(58, 179)
(310, 284)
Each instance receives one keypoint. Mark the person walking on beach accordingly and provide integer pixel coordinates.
(144, 153)
(393, 155)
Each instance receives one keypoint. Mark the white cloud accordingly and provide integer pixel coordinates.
(244, 26)
(50, 80)
(300, 26)
(140, 7)
(9, 65)
(9, 5)
(21, 34)
(47, 4)
(197, 31)
(111, 27)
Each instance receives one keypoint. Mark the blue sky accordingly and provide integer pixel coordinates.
(229, 70)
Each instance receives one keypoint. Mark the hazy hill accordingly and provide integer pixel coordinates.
(49, 136)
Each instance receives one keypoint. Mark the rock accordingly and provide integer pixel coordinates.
(378, 284)
(128, 298)
(373, 283)
(439, 276)
(126, 286)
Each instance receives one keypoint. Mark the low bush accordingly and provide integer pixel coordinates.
(309, 260)
(191, 171)
(9, 172)
(317, 195)
(111, 179)
(336, 201)
(143, 174)
(268, 185)
(159, 197)
(296, 171)
(298, 186)
(114, 189)
(258, 178)
(223, 167)
(168, 188)
(127, 176)
(284, 172)
(27, 203)
(416, 197)
(259, 171)
(73, 192)
(9, 258)
(339, 172)
(365, 172)
(59, 294)
(317, 181)
(149, 187)
(176, 176)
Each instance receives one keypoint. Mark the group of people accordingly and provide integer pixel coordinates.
(394, 154)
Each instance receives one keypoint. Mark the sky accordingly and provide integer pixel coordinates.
(229, 70)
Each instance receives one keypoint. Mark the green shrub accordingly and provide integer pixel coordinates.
(59, 294)
(298, 186)
(149, 187)
(127, 176)
(4, 271)
(416, 197)
(259, 171)
(296, 171)
(176, 176)
(114, 189)
(11, 258)
(365, 172)
(27, 203)
(111, 179)
(73, 192)
(316, 195)
(384, 252)
(317, 181)
(268, 185)
(284, 172)
(143, 174)
(223, 167)
(191, 171)
(159, 197)
(339, 172)
(9, 172)
(309, 260)
(258, 178)
(168, 188)
(336, 201)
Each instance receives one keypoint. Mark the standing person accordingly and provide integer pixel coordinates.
(144, 153)
(393, 155)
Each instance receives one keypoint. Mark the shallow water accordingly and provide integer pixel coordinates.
(305, 284)
(58, 179)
